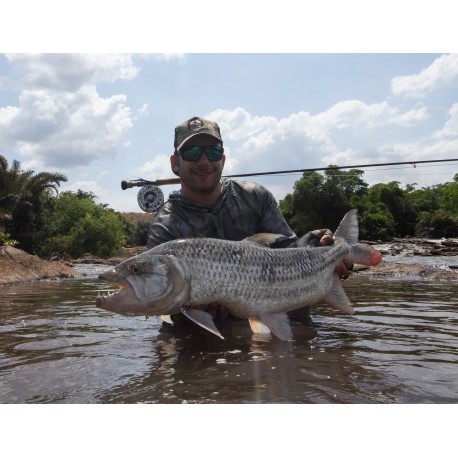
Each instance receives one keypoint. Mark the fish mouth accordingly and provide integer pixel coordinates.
(118, 300)
(112, 295)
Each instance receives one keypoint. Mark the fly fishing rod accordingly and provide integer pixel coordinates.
(151, 197)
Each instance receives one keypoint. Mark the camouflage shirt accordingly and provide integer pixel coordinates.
(243, 209)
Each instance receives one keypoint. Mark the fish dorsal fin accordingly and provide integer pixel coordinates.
(264, 238)
(337, 297)
(202, 318)
(348, 227)
(278, 323)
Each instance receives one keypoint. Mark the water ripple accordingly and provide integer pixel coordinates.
(399, 347)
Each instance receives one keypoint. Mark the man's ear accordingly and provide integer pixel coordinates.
(175, 164)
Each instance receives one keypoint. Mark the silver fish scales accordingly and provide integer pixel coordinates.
(251, 280)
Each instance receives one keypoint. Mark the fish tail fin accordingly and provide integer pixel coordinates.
(360, 253)
(337, 297)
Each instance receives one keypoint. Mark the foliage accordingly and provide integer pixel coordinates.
(448, 199)
(398, 204)
(375, 222)
(437, 224)
(5, 239)
(75, 225)
(385, 210)
(35, 216)
(320, 201)
(22, 194)
(136, 233)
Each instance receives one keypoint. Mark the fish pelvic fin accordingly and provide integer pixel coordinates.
(202, 318)
(337, 297)
(278, 324)
(257, 326)
(167, 319)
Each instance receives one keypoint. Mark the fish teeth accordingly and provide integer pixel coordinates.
(107, 293)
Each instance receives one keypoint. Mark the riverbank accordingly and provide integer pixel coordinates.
(17, 266)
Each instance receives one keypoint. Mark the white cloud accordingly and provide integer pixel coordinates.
(238, 124)
(69, 72)
(450, 128)
(350, 132)
(442, 70)
(411, 117)
(65, 129)
(157, 168)
(61, 120)
(357, 114)
(143, 110)
(304, 140)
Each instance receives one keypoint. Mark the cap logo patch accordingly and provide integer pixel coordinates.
(195, 124)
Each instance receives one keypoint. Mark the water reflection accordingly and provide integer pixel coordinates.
(400, 347)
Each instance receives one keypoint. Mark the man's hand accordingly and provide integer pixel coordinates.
(323, 237)
(341, 269)
(215, 309)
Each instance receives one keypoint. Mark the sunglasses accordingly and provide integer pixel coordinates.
(214, 153)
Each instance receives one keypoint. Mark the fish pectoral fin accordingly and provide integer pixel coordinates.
(279, 325)
(337, 297)
(257, 326)
(202, 318)
(265, 238)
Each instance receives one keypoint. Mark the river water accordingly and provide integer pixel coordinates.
(400, 347)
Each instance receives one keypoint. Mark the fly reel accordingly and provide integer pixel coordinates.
(150, 198)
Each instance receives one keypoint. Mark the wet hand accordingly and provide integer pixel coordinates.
(218, 311)
(342, 269)
(215, 309)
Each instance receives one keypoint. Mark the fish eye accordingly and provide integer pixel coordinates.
(134, 268)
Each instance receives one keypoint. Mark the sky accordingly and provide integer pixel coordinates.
(96, 94)
(103, 118)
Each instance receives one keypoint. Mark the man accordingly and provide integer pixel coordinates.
(210, 206)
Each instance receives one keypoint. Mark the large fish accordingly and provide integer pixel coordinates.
(252, 280)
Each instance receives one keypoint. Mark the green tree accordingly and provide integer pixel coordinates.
(448, 200)
(437, 210)
(399, 203)
(375, 221)
(22, 194)
(141, 232)
(437, 224)
(321, 201)
(75, 224)
(303, 208)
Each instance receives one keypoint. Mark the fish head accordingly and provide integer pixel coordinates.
(148, 285)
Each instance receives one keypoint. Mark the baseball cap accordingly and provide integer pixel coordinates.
(195, 126)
